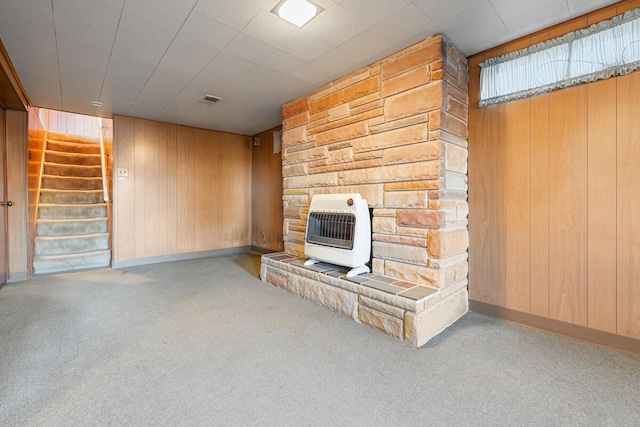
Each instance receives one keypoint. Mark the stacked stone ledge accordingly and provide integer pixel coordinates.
(411, 321)
(395, 132)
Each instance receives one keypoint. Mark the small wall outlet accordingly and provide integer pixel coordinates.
(123, 173)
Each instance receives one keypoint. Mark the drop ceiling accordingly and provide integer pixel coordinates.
(156, 59)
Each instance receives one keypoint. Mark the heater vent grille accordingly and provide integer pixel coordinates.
(335, 229)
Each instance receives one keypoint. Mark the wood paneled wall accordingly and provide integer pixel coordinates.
(188, 190)
(80, 124)
(554, 195)
(16, 132)
(266, 194)
(36, 133)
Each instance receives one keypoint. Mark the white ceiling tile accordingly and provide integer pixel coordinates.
(74, 44)
(338, 60)
(36, 68)
(131, 69)
(263, 74)
(224, 69)
(167, 81)
(147, 107)
(271, 29)
(140, 39)
(580, 7)
(470, 43)
(189, 48)
(335, 25)
(474, 20)
(212, 79)
(373, 11)
(313, 73)
(116, 4)
(231, 62)
(43, 91)
(249, 47)
(166, 13)
(188, 56)
(284, 61)
(79, 66)
(95, 12)
(407, 26)
(388, 35)
(308, 46)
(443, 11)
(191, 66)
(38, 45)
(207, 30)
(235, 14)
(509, 9)
(545, 16)
(188, 3)
(25, 9)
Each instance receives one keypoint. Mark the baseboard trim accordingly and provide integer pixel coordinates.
(260, 250)
(20, 276)
(180, 257)
(556, 327)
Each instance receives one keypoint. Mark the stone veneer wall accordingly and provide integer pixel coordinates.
(395, 132)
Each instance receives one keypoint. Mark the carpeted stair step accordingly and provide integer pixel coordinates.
(59, 263)
(70, 227)
(71, 182)
(72, 147)
(62, 169)
(56, 211)
(67, 197)
(61, 245)
(72, 137)
(72, 158)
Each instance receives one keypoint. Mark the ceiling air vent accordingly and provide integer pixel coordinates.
(211, 99)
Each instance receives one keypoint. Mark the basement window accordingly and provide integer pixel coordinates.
(606, 49)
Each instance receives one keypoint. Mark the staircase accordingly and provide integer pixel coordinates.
(72, 225)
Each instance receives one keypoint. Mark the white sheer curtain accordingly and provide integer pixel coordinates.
(605, 49)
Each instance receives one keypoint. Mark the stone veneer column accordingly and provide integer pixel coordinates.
(395, 132)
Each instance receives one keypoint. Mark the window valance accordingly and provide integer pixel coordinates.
(603, 50)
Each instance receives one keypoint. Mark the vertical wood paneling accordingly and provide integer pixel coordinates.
(152, 179)
(479, 192)
(584, 196)
(36, 139)
(16, 139)
(540, 205)
(601, 246)
(266, 194)
(628, 186)
(162, 189)
(139, 179)
(497, 123)
(171, 207)
(518, 193)
(183, 189)
(568, 205)
(181, 181)
(4, 256)
(124, 204)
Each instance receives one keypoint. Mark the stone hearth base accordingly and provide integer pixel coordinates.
(411, 312)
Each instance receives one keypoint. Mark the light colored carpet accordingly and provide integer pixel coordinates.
(204, 342)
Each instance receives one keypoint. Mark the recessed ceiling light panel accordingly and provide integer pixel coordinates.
(297, 12)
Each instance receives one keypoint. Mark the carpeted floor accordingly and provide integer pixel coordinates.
(204, 342)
